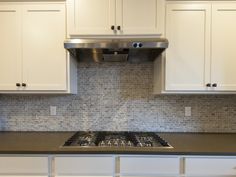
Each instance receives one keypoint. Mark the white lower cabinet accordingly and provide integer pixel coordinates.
(24, 166)
(149, 165)
(84, 165)
(27, 175)
(117, 166)
(210, 166)
(111, 166)
(145, 166)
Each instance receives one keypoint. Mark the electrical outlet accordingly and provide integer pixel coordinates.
(53, 110)
(188, 111)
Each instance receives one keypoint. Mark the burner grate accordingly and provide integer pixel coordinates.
(116, 139)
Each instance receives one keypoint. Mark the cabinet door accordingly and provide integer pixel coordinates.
(44, 57)
(138, 16)
(188, 55)
(24, 166)
(210, 166)
(84, 166)
(223, 62)
(149, 166)
(91, 17)
(10, 47)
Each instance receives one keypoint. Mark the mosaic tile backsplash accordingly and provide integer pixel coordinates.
(117, 96)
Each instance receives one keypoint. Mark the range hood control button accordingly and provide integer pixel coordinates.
(137, 45)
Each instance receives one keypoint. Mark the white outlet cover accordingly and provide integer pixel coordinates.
(188, 111)
(53, 110)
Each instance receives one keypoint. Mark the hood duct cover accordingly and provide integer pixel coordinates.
(116, 50)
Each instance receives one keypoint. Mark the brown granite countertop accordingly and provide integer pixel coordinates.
(183, 143)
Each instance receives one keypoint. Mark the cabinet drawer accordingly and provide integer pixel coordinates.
(27, 175)
(208, 166)
(149, 165)
(16, 165)
(84, 165)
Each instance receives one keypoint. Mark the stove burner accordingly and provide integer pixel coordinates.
(116, 139)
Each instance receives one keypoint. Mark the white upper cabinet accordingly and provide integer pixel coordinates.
(32, 56)
(201, 57)
(10, 35)
(91, 16)
(44, 57)
(188, 55)
(115, 17)
(223, 62)
(137, 16)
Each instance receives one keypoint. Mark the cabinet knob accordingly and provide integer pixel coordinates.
(112, 27)
(118, 28)
(18, 84)
(23, 84)
(214, 85)
(208, 84)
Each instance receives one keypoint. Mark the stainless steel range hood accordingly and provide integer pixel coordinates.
(108, 50)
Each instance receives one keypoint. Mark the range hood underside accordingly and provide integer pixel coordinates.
(121, 55)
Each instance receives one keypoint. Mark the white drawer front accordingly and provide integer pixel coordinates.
(149, 165)
(80, 176)
(15, 175)
(84, 165)
(210, 166)
(16, 165)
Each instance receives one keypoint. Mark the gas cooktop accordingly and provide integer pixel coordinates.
(116, 139)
